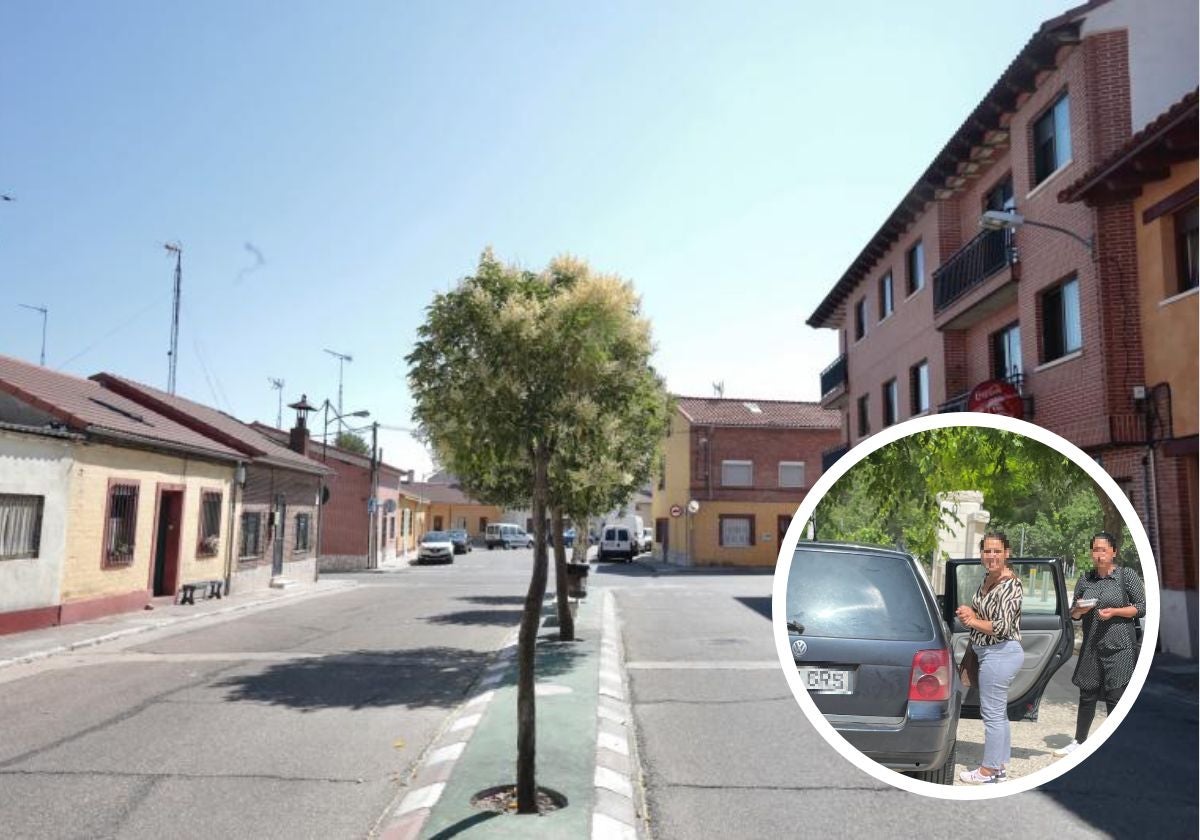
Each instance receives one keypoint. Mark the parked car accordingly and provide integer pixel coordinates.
(435, 547)
(506, 535)
(647, 539)
(461, 540)
(568, 538)
(618, 541)
(875, 649)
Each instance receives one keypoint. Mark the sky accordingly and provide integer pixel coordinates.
(328, 168)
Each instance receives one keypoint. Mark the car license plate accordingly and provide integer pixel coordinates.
(827, 680)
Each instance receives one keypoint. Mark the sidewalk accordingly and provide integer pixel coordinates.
(583, 745)
(18, 648)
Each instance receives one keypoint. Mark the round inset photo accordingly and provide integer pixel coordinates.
(965, 606)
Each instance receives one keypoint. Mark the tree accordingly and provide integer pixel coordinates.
(351, 443)
(507, 367)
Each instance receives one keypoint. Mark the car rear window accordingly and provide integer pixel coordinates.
(847, 595)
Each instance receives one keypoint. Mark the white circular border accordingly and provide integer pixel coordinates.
(940, 421)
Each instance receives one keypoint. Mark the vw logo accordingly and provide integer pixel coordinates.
(799, 647)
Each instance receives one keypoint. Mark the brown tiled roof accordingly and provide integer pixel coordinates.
(709, 411)
(981, 128)
(82, 405)
(320, 452)
(441, 493)
(1177, 124)
(211, 423)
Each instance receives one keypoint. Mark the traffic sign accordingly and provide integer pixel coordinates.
(676, 510)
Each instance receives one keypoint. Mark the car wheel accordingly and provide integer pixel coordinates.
(944, 775)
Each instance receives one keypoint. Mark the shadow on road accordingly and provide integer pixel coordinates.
(421, 677)
(493, 618)
(762, 606)
(494, 600)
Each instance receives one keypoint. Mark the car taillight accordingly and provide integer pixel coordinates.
(930, 675)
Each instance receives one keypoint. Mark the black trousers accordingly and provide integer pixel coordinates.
(1087, 708)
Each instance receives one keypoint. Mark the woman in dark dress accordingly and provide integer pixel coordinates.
(1109, 649)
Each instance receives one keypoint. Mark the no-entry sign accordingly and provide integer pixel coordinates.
(676, 510)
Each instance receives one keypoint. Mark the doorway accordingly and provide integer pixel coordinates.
(167, 532)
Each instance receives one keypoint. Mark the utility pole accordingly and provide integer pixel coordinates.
(342, 358)
(176, 249)
(374, 519)
(44, 312)
(277, 384)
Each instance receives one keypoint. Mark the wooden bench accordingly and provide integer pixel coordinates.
(210, 588)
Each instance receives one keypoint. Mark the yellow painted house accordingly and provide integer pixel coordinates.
(107, 503)
(733, 474)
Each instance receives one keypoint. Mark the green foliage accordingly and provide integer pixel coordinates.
(352, 443)
(890, 497)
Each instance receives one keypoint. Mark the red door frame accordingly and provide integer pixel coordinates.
(171, 569)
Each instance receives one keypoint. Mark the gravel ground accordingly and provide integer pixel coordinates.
(1033, 743)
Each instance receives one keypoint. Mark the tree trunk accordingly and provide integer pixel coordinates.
(527, 645)
(566, 621)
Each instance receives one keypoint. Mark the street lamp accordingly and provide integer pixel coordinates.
(339, 418)
(1011, 220)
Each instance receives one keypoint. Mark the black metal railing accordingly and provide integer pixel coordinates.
(959, 403)
(834, 376)
(988, 253)
(830, 456)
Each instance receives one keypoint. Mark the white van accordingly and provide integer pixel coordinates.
(619, 541)
(506, 535)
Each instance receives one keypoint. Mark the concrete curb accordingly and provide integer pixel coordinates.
(404, 820)
(146, 627)
(615, 816)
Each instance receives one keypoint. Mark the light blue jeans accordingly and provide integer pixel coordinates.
(998, 664)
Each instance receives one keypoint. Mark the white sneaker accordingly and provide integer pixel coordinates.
(1068, 749)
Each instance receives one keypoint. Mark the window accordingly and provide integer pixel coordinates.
(302, 521)
(864, 416)
(918, 387)
(210, 523)
(20, 526)
(120, 526)
(1060, 321)
(890, 409)
(437, 523)
(791, 474)
(1185, 246)
(736, 531)
(914, 262)
(860, 319)
(886, 304)
(1000, 197)
(1052, 140)
(251, 544)
(737, 473)
(1006, 353)
(392, 527)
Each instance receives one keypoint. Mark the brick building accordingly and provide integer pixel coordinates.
(748, 464)
(934, 306)
(1155, 174)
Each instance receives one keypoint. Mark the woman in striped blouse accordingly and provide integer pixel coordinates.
(994, 619)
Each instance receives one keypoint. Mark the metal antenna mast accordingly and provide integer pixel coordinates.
(277, 384)
(44, 312)
(176, 249)
(342, 358)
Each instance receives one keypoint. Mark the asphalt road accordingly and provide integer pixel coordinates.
(726, 751)
(295, 722)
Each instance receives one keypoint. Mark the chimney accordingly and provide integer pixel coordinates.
(298, 437)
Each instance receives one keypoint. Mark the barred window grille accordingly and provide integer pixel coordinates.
(20, 526)
(251, 535)
(121, 525)
(737, 531)
(210, 523)
(302, 520)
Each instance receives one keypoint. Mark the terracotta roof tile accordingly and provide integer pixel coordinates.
(710, 411)
(85, 406)
(441, 493)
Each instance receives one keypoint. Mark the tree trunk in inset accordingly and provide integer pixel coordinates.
(566, 621)
(527, 645)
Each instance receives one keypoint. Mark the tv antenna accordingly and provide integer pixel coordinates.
(44, 312)
(342, 358)
(719, 389)
(173, 354)
(277, 384)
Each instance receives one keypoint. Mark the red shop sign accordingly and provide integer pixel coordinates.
(996, 397)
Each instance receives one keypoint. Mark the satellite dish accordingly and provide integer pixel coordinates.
(693, 506)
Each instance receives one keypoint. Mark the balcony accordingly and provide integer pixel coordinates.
(959, 403)
(830, 456)
(961, 291)
(833, 383)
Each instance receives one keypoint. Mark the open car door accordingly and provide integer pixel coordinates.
(1046, 632)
